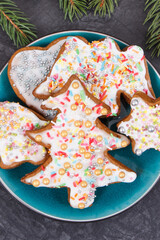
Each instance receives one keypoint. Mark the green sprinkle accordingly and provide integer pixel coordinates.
(139, 67)
(114, 114)
(37, 125)
(82, 95)
(77, 51)
(79, 142)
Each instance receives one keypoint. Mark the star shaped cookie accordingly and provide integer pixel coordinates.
(143, 123)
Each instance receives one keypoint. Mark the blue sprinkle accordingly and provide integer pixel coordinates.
(53, 172)
(78, 59)
(106, 141)
(70, 93)
(116, 179)
(102, 66)
(56, 67)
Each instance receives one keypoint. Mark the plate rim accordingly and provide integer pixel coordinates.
(65, 219)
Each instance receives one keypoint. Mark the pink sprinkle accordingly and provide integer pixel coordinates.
(62, 116)
(82, 198)
(55, 76)
(93, 156)
(42, 168)
(67, 99)
(53, 175)
(146, 91)
(142, 57)
(92, 128)
(67, 93)
(74, 184)
(102, 178)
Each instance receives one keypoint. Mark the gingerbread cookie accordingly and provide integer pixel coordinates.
(78, 145)
(103, 67)
(143, 123)
(28, 67)
(16, 147)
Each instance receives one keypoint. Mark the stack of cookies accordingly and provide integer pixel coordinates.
(73, 84)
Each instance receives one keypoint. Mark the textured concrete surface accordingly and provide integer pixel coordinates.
(142, 221)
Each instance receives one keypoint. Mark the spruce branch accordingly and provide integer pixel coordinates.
(15, 24)
(73, 8)
(102, 7)
(153, 16)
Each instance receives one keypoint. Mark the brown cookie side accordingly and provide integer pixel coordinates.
(66, 86)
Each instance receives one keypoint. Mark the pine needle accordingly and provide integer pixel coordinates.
(15, 24)
(103, 7)
(153, 16)
(73, 8)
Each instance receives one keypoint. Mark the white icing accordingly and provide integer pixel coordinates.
(15, 146)
(103, 68)
(142, 118)
(29, 68)
(73, 176)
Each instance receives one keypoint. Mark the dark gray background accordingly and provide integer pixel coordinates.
(142, 221)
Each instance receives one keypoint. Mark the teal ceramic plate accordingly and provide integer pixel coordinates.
(110, 200)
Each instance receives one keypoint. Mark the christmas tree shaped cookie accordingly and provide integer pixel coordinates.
(143, 123)
(103, 67)
(78, 145)
(15, 146)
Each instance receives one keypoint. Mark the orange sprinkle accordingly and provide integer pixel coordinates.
(134, 51)
(104, 98)
(104, 82)
(76, 195)
(72, 120)
(72, 198)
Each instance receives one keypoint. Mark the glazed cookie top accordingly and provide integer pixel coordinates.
(28, 68)
(104, 69)
(15, 146)
(78, 144)
(143, 124)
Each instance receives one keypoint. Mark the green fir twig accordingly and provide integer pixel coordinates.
(15, 24)
(154, 29)
(73, 8)
(103, 7)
